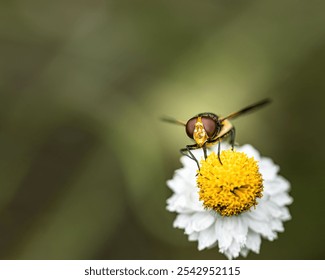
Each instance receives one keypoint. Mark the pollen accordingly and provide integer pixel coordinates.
(232, 187)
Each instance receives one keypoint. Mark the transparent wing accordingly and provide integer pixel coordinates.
(172, 120)
(248, 109)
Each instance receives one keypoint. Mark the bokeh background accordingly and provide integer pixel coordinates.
(84, 158)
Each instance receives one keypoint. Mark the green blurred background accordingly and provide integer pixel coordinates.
(84, 158)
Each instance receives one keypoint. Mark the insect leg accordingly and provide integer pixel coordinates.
(219, 141)
(205, 151)
(211, 142)
(232, 134)
(187, 152)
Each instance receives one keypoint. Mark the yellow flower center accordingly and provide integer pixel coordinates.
(232, 187)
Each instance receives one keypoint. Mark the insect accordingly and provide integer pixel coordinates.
(208, 129)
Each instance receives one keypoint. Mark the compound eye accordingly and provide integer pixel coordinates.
(190, 125)
(209, 126)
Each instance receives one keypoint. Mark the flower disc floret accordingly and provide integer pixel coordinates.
(231, 186)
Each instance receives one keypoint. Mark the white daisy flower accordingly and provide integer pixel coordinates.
(230, 205)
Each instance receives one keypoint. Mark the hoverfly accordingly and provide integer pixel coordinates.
(208, 129)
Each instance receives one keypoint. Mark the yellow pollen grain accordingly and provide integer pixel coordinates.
(232, 187)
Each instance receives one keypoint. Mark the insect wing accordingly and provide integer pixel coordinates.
(172, 120)
(247, 109)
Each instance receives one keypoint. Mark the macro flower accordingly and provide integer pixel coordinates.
(231, 202)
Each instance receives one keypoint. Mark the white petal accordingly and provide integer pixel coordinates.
(253, 241)
(198, 221)
(189, 230)
(240, 230)
(183, 180)
(182, 220)
(175, 202)
(177, 184)
(201, 221)
(194, 202)
(275, 186)
(231, 233)
(272, 209)
(193, 236)
(187, 202)
(233, 250)
(282, 199)
(250, 151)
(207, 238)
(263, 228)
(244, 252)
(191, 164)
(258, 213)
(277, 225)
(187, 163)
(224, 228)
(179, 203)
(268, 169)
(285, 215)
